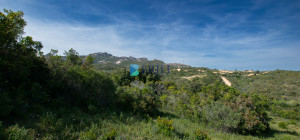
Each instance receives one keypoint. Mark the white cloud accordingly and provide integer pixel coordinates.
(162, 42)
(224, 42)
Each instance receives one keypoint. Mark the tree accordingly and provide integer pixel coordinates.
(54, 61)
(23, 74)
(52, 52)
(73, 57)
(11, 28)
(88, 61)
(257, 72)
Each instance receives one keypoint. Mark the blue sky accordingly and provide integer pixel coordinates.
(236, 34)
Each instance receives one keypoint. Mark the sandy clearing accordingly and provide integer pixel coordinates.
(224, 71)
(265, 72)
(226, 81)
(251, 74)
(194, 76)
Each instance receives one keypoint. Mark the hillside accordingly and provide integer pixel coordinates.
(278, 84)
(95, 97)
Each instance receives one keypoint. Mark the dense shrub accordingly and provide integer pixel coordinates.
(122, 77)
(222, 106)
(200, 135)
(139, 100)
(50, 124)
(111, 135)
(91, 134)
(195, 85)
(89, 86)
(17, 133)
(222, 116)
(165, 126)
(254, 120)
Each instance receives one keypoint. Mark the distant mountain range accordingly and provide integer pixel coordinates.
(108, 59)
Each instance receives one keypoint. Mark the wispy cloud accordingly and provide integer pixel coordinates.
(223, 35)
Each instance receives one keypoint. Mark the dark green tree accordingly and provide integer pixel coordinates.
(23, 73)
(88, 61)
(73, 57)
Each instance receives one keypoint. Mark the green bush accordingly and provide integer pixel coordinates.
(200, 135)
(111, 135)
(254, 119)
(49, 123)
(91, 134)
(139, 100)
(231, 111)
(69, 133)
(89, 86)
(165, 126)
(222, 116)
(17, 133)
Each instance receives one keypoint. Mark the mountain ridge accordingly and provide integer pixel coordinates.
(107, 58)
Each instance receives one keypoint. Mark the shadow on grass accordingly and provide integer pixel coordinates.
(271, 133)
(181, 135)
(166, 114)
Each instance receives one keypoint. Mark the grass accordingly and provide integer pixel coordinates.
(74, 124)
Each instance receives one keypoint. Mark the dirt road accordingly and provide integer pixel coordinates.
(226, 81)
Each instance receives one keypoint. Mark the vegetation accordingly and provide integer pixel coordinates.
(201, 135)
(70, 97)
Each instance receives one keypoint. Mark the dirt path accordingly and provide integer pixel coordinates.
(226, 81)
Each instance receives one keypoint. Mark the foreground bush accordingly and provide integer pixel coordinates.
(92, 134)
(165, 126)
(200, 135)
(254, 119)
(89, 86)
(222, 116)
(18, 133)
(221, 106)
(138, 99)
